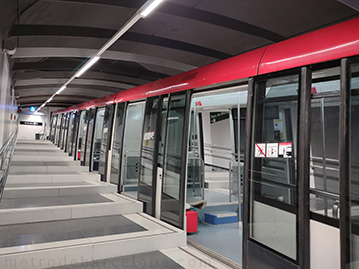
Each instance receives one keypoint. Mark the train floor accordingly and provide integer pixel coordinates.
(56, 214)
(225, 239)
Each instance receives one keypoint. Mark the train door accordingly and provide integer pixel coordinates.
(130, 158)
(272, 175)
(89, 137)
(80, 133)
(324, 169)
(74, 129)
(86, 120)
(53, 128)
(96, 141)
(58, 129)
(65, 118)
(68, 131)
(116, 150)
(106, 142)
(173, 150)
(350, 231)
(150, 182)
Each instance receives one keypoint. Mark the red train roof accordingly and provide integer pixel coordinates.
(330, 43)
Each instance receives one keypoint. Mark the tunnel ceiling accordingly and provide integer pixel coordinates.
(53, 38)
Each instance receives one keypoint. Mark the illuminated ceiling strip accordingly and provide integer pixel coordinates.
(146, 9)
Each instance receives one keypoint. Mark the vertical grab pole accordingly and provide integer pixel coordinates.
(324, 160)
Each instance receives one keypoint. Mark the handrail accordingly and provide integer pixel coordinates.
(6, 159)
(4, 147)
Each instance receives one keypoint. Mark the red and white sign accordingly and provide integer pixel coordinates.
(260, 150)
(285, 150)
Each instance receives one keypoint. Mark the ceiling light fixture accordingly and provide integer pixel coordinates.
(85, 67)
(61, 89)
(150, 7)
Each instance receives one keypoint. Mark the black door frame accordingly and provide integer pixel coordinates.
(344, 161)
(157, 130)
(303, 149)
(182, 187)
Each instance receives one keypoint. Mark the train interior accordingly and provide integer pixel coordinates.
(215, 173)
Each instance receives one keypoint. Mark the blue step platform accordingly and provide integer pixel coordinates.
(222, 217)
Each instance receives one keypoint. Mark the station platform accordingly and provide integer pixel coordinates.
(56, 214)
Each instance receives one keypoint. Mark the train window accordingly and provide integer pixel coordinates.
(324, 142)
(272, 176)
(354, 165)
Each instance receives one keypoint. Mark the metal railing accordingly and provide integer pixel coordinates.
(6, 153)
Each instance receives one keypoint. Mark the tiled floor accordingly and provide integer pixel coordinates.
(51, 231)
(53, 201)
(224, 239)
(153, 260)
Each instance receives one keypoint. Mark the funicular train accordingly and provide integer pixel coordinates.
(289, 145)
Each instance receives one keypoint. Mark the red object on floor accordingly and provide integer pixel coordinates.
(192, 221)
(79, 155)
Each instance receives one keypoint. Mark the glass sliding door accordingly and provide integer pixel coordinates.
(58, 129)
(53, 128)
(273, 171)
(70, 132)
(69, 129)
(353, 212)
(64, 130)
(173, 186)
(97, 137)
(324, 169)
(80, 135)
(89, 138)
(131, 148)
(116, 151)
(75, 128)
(149, 154)
(106, 141)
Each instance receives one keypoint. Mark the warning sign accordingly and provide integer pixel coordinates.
(272, 150)
(285, 150)
(260, 150)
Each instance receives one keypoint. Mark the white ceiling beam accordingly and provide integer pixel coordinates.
(28, 52)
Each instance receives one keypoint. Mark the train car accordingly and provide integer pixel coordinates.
(275, 128)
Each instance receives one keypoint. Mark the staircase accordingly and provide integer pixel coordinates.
(55, 213)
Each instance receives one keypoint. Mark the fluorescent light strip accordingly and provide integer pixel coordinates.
(147, 9)
(151, 7)
(61, 89)
(87, 66)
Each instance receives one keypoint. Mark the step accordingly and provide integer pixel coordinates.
(34, 163)
(81, 174)
(27, 190)
(217, 175)
(30, 210)
(131, 234)
(50, 157)
(217, 184)
(220, 217)
(25, 170)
